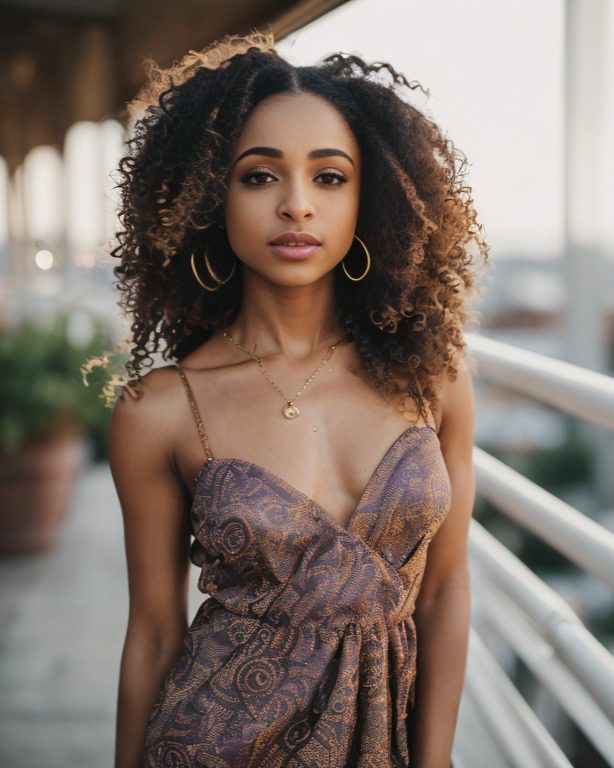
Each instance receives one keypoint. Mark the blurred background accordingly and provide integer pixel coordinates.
(525, 90)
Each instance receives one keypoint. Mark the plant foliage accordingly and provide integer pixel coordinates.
(42, 392)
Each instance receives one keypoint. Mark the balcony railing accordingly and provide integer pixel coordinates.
(516, 610)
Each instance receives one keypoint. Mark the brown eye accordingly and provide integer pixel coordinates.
(256, 178)
(332, 178)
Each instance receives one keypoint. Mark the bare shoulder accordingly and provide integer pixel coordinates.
(155, 386)
(148, 413)
(456, 394)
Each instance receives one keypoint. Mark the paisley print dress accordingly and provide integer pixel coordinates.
(304, 653)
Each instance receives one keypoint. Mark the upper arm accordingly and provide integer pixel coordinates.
(154, 508)
(447, 560)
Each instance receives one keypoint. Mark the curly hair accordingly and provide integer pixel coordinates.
(406, 317)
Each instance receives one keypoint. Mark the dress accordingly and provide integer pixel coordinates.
(304, 653)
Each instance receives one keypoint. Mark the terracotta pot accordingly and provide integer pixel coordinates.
(36, 485)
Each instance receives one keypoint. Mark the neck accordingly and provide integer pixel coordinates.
(293, 321)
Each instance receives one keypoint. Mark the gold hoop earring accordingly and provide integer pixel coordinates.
(215, 276)
(367, 268)
(212, 274)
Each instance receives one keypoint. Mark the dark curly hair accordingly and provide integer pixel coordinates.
(406, 317)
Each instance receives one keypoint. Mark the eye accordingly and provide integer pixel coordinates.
(332, 178)
(257, 178)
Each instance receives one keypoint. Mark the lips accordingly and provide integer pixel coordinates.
(295, 239)
(295, 246)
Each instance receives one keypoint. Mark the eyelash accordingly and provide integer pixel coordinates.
(339, 177)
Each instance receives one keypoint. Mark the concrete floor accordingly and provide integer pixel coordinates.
(62, 616)
(62, 625)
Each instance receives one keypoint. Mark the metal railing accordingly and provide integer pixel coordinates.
(522, 611)
(575, 390)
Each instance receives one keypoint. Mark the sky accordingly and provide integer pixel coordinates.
(495, 72)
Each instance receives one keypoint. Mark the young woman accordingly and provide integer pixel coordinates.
(297, 240)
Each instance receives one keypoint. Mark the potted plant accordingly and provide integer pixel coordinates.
(47, 419)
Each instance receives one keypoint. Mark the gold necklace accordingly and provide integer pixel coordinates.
(290, 411)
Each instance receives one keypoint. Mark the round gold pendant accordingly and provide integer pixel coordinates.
(290, 411)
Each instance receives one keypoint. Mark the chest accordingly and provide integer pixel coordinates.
(328, 452)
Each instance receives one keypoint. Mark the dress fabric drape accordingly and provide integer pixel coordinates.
(304, 653)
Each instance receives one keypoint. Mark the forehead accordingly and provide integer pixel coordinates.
(297, 121)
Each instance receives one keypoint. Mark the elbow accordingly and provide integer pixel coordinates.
(452, 598)
(150, 638)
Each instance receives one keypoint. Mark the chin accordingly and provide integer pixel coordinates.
(296, 276)
(303, 281)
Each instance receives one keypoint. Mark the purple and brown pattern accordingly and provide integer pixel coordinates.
(304, 653)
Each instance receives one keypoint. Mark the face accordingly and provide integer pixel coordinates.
(293, 192)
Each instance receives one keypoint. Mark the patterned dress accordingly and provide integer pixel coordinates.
(304, 653)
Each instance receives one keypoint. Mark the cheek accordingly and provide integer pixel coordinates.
(342, 211)
(242, 218)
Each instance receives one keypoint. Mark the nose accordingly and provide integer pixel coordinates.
(296, 204)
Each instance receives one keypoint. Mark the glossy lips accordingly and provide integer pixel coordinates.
(295, 245)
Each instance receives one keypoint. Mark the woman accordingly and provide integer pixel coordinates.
(297, 241)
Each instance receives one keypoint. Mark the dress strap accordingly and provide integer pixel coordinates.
(195, 412)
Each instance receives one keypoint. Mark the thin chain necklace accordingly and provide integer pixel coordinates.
(289, 410)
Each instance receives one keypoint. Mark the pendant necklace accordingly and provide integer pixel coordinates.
(289, 410)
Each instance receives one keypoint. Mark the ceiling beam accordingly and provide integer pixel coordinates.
(301, 14)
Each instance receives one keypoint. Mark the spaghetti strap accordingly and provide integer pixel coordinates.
(195, 412)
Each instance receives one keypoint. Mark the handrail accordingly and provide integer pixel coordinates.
(519, 734)
(582, 540)
(580, 650)
(575, 390)
(512, 624)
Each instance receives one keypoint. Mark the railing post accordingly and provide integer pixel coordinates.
(587, 29)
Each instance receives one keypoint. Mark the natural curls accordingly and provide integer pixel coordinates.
(213, 56)
(416, 214)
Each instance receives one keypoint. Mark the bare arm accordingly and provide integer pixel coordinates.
(156, 536)
(442, 612)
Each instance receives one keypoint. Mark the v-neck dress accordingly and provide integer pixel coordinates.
(304, 653)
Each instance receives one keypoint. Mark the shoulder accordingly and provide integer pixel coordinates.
(457, 401)
(455, 392)
(147, 411)
(153, 390)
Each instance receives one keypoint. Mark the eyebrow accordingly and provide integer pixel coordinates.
(315, 154)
